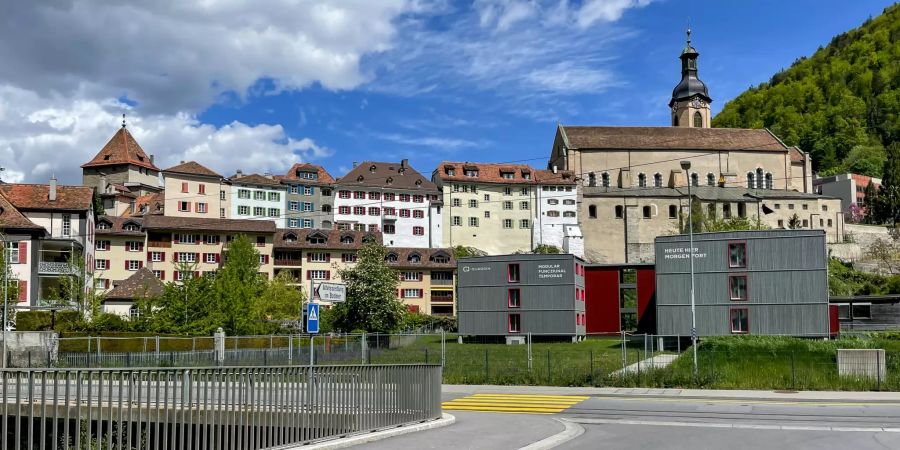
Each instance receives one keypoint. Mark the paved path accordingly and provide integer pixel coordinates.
(668, 418)
(654, 362)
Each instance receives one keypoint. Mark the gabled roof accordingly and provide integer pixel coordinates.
(11, 219)
(487, 172)
(160, 222)
(192, 168)
(141, 285)
(669, 138)
(425, 255)
(323, 176)
(117, 226)
(387, 175)
(254, 178)
(36, 197)
(560, 177)
(297, 238)
(797, 156)
(151, 201)
(122, 148)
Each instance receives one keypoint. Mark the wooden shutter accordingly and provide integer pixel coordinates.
(327, 274)
(175, 257)
(308, 257)
(197, 274)
(140, 264)
(162, 275)
(106, 284)
(218, 258)
(23, 291)
(140, 246)
(309, 274)
(126, 265)
(23, 252)
(149, 256)
(162, 256)
(328, 257)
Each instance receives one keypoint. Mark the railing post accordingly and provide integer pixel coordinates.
(528, 348)
(290, 349)
(363, 347)
(443, 347)
(487, 370)
(219, 344)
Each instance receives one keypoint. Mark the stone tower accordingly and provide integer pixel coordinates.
(690, 98)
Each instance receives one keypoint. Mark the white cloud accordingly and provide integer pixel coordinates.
(593, 11)
(40, 137)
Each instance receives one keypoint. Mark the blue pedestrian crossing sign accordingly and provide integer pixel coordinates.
(312, 318)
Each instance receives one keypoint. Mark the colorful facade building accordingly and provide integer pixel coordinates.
(192, 190)
(258, 197)
(310, 197)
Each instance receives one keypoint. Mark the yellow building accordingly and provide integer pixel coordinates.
(427, 279)
(119, 251)
(192, 190)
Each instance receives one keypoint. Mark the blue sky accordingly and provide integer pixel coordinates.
(340, 81)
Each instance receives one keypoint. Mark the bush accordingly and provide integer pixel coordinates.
(43, 321)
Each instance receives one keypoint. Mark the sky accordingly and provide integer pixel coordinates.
(258, 85)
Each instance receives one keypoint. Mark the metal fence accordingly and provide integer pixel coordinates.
(211, 408)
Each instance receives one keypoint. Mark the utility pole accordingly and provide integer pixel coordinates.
(686, 165)
(5, 294)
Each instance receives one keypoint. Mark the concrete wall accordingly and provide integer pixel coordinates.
(37, 347)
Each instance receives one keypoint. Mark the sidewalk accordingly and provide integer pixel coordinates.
(711, 394)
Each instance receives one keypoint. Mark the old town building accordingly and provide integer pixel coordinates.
(192, 190)
(257, 197)
(310, 197)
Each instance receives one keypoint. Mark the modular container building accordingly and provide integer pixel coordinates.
(769, 282)
(520, 294)
(620, 298)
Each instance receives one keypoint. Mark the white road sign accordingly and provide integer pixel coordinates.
(331, 292)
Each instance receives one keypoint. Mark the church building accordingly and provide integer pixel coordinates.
(634, 183)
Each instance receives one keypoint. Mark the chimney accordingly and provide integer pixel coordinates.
(268, 175)
(555, 169)
(239, 173)
(355, 164)
(51, 196)
(404, 163)
(151, 159)
(182, 161)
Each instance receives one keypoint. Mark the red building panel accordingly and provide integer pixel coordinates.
(833, 320)
(602, 301)
(646, 294)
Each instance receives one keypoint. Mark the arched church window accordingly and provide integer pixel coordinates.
(604, 179)
(751, 181)
(695, 179)
(759, 178)
(698, 120)
(592, 179)
(770, 181)
(657, 179)
(642, 180)
(710, 179)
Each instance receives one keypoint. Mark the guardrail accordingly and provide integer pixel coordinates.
(211, 408)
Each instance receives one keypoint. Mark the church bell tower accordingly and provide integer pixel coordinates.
(690, 98)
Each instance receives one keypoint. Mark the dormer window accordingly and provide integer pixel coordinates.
(414, 258)
(307, 175)
(440, 258)
(106, 157)
(390, 180)
(372, 168)
(368, 239)
(401, 171)
(526, 175)
(507, 175)
(290, 237)
(359, 179)
(450, 171)
(473, 173)
(103, 225)
(130, 227)
(391, 258)
(140, 158)
(316, 239)
(346, 239)
(418, 183)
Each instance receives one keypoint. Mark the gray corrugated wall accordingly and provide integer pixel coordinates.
(787, 283)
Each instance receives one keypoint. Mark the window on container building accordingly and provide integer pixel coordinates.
(740, 320)
(737, 254)
(515, 323)
(512, 271)
(514, 298)
(737, 285)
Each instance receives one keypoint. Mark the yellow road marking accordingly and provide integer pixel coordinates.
(514, 403)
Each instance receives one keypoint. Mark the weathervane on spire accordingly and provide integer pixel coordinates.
(689, 36)
(123, 114)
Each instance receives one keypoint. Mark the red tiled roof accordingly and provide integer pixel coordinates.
(12, 219)
(560, 177)
(36, 197)
(797, 155)
(192, 168)
(670, 138)
(332, 238)
(151, 201)
(487, 172)
(143, 284)
(160, 222)
(121, 149)
(323, 176)
(254, 178)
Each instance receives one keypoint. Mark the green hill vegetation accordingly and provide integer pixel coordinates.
(842, 104)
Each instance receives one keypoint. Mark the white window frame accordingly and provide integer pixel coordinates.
(209, 258)
(187, 257)
(133, 246)
(318, 274)
(133, 265)
(243, 210)
(101, 264)
(156, 256)
(317, 257)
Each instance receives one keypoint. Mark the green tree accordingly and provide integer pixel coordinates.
(888, 206)
(12, 288)
(72, 290)
(237, 284)
(870, 202)
(281, 299)
(794, 222)
(547, 249)
(461, 251)
(372, 303)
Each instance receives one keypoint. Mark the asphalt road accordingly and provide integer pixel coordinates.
(649, 423)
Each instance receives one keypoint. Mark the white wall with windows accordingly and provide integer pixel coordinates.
(259, 203)
(557, 218)
(407, 218)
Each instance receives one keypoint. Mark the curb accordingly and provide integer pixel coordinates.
(572, 431)
(749, 399)
(445, 420)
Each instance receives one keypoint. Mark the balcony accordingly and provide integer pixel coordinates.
(159, 244)
(288, 262)
(442, 297)
(441, 282)
(56, 268)
(390, 216)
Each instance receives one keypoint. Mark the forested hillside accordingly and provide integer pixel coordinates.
(842, 104)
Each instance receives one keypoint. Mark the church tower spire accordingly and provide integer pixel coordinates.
(690, 98)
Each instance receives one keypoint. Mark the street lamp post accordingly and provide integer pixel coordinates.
(5, 295)
(686, 165)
